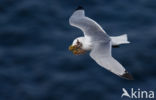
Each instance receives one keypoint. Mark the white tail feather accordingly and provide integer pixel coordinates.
(117, 40)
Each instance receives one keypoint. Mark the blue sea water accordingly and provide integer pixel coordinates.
(35, 63)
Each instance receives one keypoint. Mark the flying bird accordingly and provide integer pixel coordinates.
(98, 42)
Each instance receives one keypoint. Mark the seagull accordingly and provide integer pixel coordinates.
(98, 42)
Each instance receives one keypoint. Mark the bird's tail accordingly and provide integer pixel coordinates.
(117, 40)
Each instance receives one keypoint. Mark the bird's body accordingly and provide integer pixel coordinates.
(115, 41)
(97, 41)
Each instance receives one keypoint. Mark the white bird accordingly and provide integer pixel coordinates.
(97, 41)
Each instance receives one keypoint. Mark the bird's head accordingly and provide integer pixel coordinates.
(76, 47)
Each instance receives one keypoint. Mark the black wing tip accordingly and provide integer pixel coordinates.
(127, 76)
(79, 8)
(115, 46)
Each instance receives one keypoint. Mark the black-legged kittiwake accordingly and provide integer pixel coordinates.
(97, 41)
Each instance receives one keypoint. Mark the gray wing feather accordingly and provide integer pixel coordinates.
(89, 27)
(101, 53)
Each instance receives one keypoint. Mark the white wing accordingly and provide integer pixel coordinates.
(101, 53)
(89, 27)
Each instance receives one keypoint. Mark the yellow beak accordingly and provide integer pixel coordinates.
(76, 50)
(71, 48)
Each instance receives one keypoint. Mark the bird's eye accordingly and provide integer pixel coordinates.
(78, 42)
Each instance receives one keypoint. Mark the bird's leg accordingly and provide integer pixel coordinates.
(115, 46)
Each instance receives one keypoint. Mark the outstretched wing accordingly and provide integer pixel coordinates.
(101, 53)
(89, 27)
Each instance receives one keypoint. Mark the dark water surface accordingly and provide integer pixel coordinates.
(35, 63)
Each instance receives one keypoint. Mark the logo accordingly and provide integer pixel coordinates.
(137, 93)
